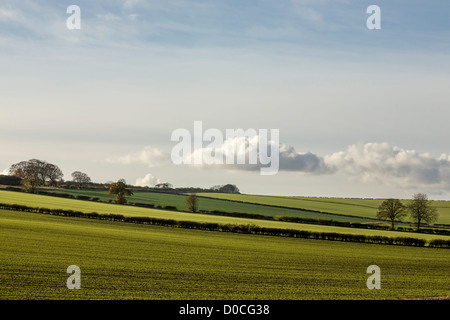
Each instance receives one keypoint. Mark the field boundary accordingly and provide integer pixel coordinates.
(312, 221)
(246, 229)
(324, 201)
(293, 208)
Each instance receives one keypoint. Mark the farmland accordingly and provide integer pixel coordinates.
(127, 261)
(120, 260)
(178, 201)
(356, 207)
(131, 211)
(341, 209)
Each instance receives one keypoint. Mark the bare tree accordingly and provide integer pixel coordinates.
(391, 209)
(80, 178)
(29, 178)
(420, 209)
(36, 172)
(29, 171)
(53, 173)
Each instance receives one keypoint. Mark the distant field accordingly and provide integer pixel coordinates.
(126, 261)
(90, 206)
(355, 207)
(177, 200)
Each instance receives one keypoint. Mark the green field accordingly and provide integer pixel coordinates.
(34, 200)
(207, 204)
(127, 261)
(356, 207)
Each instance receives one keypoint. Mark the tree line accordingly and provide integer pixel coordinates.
(35, 173)
(419, 209)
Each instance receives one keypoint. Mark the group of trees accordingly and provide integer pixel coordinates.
(35, 173)
(226, 188)
(419, 209)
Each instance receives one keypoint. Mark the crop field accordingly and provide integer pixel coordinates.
(356, 207)
(208, 204)
(128, 261)
(131, 211)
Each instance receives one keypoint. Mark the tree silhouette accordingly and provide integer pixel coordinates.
(420, 210)
(391, 209)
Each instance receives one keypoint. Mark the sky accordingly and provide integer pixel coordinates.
(360, 112)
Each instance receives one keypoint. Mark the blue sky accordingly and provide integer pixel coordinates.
(371, 105)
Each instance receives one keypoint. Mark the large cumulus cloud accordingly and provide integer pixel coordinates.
(383, 163)
(370, 162)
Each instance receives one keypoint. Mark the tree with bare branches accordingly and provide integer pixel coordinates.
(420, 210)
(80, 178)
(391, 209)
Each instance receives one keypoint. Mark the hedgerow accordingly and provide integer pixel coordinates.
(248, 229)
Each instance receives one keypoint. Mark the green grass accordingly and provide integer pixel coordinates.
(356, 207)
(127, 261)
(34, 200)
(177, 200)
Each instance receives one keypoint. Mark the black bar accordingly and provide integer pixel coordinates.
(225, 309)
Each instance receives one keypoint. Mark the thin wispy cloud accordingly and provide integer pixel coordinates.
(308, 67)
(187, 23)
(149, 156)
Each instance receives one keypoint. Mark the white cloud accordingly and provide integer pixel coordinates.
(289, 158)
(391, 165)
(238, 152)
(149, 156)
(5, 172)
(149, 180)
(379, 163)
